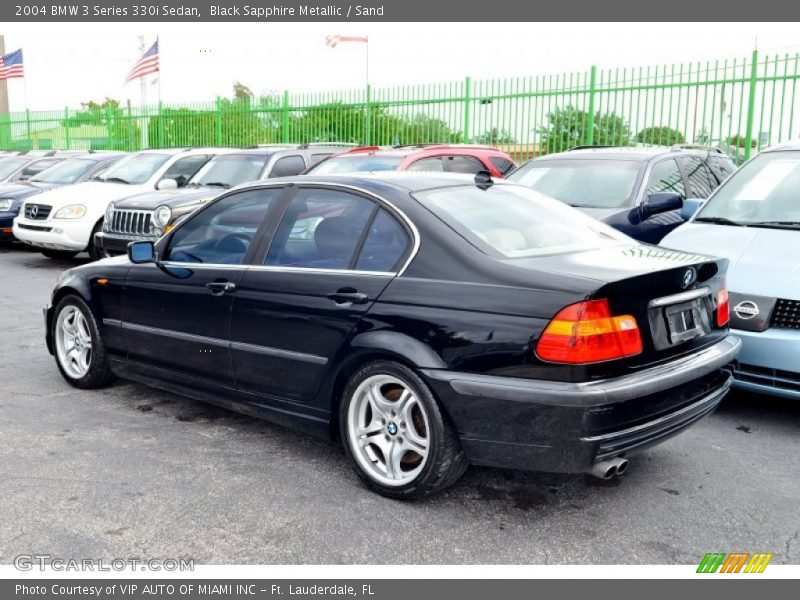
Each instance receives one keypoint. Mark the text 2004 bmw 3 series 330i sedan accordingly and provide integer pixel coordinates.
(428, 321)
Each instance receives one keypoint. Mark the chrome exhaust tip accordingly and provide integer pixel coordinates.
(606, 469)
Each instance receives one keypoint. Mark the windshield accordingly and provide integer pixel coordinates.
(357, 164)
(764, 192)
(67, 171)
(228, 170)
(584, 183)
(9, 165)
(516, 221)
(135, 169)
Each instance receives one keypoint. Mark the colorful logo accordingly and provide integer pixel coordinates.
(735, 562)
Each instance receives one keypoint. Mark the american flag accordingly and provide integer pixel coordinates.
(145, 65)
(11, 65)
(332, 40)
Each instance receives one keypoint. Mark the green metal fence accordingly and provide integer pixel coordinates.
(739, 105)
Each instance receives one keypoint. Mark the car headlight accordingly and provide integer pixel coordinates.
(162, 216)
(109, 212)
(70, 211)
(6, 203)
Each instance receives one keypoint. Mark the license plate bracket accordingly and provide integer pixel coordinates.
(686, 321)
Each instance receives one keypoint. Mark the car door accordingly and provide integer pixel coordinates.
(330, 256)
(665, 176)
(176, 312)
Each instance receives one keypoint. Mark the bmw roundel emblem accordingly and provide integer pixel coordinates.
(689, 277)
(391, 428)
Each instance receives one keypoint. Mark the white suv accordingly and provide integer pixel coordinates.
(63, 222)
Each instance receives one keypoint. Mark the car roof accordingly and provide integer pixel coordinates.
(401, 180)
(637, 153)
(403, 151)
(789, 145)
(99, 156)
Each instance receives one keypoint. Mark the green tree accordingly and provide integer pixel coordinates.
(123, 131)
(495, 136)
(660, 136)
(569, 127)
(740, 141)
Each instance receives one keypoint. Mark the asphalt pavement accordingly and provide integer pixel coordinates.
(130, 471)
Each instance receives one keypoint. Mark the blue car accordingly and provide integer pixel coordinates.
(65, 171)
(753, 219)
(639, 191)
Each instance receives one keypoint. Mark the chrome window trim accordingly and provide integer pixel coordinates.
(265, 183)
(182, 265)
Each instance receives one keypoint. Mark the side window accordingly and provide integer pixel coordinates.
(701, 181)
(37, 166)
(464, 164)
(721, 167)
(222, 233)
(427, 164)
(321, 229)
(315, 158)
(183, 168)
(288, 165)
(386, 243)
(666, 177)
(503, 165)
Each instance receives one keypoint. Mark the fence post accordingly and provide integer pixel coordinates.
(467, 105)
(28, 128)
(366, 117)
(160, 125)
(110, 145)
(592, 82)
(751, 105)
(285, 127)
(219, 122)
(66, 128)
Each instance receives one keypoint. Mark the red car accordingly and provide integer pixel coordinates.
(452, 158)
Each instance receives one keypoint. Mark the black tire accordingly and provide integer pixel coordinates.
(99, 373)
(445, 462)
(95, 253)
(58, 254)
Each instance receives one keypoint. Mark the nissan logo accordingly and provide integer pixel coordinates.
(34, 211)
(746, 310)
(689, 277)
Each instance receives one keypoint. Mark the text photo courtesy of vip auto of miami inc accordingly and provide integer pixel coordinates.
(339, 308)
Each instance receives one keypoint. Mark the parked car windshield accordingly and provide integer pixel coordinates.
(135, 169)
(517, 221)
(228, 170)
(584, 183)
(764, 192)
(9, 165)
(66, 171)
(356, 164)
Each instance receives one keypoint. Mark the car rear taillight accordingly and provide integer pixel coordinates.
(723, 308)
(586, 332)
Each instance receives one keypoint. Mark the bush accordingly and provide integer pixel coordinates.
(660, 136)
(569, 127)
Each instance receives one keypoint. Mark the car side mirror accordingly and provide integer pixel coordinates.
(690, 207)
(141, 252)
(661, 202)
(167, 184)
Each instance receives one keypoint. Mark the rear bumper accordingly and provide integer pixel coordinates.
(113, 244)
(567, 427)
(768, 362)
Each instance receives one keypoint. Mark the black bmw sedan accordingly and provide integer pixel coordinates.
(428, 321)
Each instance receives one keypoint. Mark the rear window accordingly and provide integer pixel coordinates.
(503, 165)
(356, 164)
(583, 183)
(514, 221)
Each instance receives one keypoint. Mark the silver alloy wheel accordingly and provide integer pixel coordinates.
(388, 430)
(73, 342)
